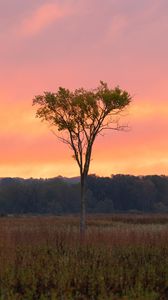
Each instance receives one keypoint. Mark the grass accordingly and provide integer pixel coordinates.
(123, 257)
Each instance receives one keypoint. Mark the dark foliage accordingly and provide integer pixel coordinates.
(120, 193)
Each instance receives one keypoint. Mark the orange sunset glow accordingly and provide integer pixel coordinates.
(47, 44)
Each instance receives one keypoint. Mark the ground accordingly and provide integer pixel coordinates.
(122, 257)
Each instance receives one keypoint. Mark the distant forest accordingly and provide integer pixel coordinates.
(119, 193)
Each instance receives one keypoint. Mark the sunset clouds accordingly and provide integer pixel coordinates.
(45, 44)
(41, 18)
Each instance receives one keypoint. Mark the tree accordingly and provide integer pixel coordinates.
(82, 115)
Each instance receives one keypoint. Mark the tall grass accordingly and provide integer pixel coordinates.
(123, 257)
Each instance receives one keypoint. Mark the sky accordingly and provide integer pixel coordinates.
(77, 43)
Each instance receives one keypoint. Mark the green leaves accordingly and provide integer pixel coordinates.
(82, 114)
(113, 99)
(81, 108)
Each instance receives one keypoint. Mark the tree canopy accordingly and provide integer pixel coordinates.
(120, 193)
(82, 115)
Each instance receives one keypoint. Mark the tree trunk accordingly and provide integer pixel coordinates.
(83, 208)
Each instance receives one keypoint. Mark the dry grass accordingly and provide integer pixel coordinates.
(123, 257)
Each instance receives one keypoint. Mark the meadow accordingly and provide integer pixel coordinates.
(122, 257)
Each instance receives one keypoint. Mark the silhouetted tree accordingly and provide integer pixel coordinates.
(82, 115)
(120, 193)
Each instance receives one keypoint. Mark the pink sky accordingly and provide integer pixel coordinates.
(74, 43)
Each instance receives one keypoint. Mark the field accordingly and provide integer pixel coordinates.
(123, 257)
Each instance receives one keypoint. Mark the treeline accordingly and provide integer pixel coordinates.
(120, 193)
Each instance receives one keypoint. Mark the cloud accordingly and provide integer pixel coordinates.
(118, 25)
(147, 110)
(134, 17)
(43, 17)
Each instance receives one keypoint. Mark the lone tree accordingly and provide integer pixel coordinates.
(82, 115)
